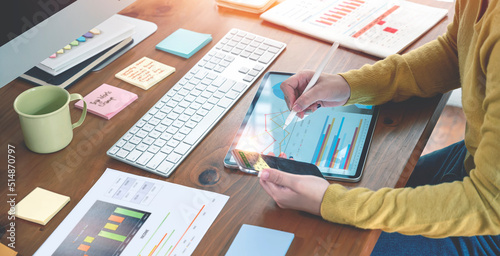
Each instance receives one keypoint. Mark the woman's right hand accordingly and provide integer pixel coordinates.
(330, 91)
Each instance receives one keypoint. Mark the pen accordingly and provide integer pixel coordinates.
(314, 79)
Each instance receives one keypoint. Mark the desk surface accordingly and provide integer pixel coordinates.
(400, 136)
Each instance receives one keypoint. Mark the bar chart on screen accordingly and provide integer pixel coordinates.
(340, 149)
(331, 138)
(125, 214)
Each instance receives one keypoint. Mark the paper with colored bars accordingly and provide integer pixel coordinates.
(125, 214)
(376, 27)
(331, 138)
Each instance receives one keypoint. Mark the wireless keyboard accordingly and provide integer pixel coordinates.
(170, 130)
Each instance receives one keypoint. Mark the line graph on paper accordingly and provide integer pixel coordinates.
(332, 138)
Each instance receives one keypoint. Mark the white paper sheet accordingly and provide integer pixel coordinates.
(125, 214)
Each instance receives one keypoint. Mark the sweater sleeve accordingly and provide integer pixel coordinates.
(461, 208)
(423, 72)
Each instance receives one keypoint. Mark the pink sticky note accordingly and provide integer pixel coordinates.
(107, 100)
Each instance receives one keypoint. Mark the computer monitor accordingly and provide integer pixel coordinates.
(32, 30)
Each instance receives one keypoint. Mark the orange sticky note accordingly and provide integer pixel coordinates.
(6, 251)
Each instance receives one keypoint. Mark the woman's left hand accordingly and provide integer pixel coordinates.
(299, 192)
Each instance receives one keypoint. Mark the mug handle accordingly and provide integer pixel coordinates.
(76, 96)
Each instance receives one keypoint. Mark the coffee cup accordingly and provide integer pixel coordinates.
(45, 119)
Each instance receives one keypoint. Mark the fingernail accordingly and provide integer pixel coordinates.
(264, 174)
(319, 106)
(296, 108)
(291, 157)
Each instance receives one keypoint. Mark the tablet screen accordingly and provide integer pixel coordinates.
(334, 139)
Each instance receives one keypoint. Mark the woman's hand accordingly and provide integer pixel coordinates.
(330, 91)
(299, 192)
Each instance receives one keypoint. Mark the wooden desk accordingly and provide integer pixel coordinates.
(400, 136)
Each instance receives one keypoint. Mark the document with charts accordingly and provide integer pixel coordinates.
(126, 214)
(376, 27)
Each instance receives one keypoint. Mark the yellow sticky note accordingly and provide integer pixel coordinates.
(260, 164)
(40, 205)
(145, 73)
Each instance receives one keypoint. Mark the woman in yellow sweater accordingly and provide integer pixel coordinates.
(453, 193)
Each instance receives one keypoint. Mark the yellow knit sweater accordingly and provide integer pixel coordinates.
(468, 55)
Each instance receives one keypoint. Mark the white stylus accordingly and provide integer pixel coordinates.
(314, 79)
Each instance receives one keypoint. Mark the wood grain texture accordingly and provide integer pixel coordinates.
(449, 129)
(400, 136)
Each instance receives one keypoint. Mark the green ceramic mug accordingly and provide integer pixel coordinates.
(45, 119)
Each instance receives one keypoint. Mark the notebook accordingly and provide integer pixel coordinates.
(111, 32)
(376, 27)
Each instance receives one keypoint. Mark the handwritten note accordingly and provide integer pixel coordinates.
(107, 100)
(145, 73)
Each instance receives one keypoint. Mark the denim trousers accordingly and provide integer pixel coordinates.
(445, 165)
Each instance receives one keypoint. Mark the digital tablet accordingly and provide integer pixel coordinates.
(336, 139)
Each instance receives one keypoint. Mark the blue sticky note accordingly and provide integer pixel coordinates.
(184, 42)
(253, 240)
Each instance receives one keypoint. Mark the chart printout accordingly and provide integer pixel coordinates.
(377, 27)
(330, 138)
(125, 214)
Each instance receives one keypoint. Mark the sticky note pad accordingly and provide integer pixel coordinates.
(40, 206)
(253, 240)
(145, 73)
(184, 42)
(6, 251)
(107, 100)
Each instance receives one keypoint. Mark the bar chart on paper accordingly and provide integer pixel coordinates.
(106, 228)
(377, 27)
(125, 214)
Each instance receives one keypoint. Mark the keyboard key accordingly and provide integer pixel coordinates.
(232, 94)
(122, 153)
(142, 147)
(266, 57)
(134, 155)
(144, 158)
(198, 131)
(156, 160)
(239, 87)
(114, 149)
(160, 142)
(154, 149)
(179, 136)
(129, 146)
(225, 102)
(227, 86)
(167, 149)
(173, 143)
(248, 78)
(182, 148)
(174, 157)
(165, 167)
(121, 142)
